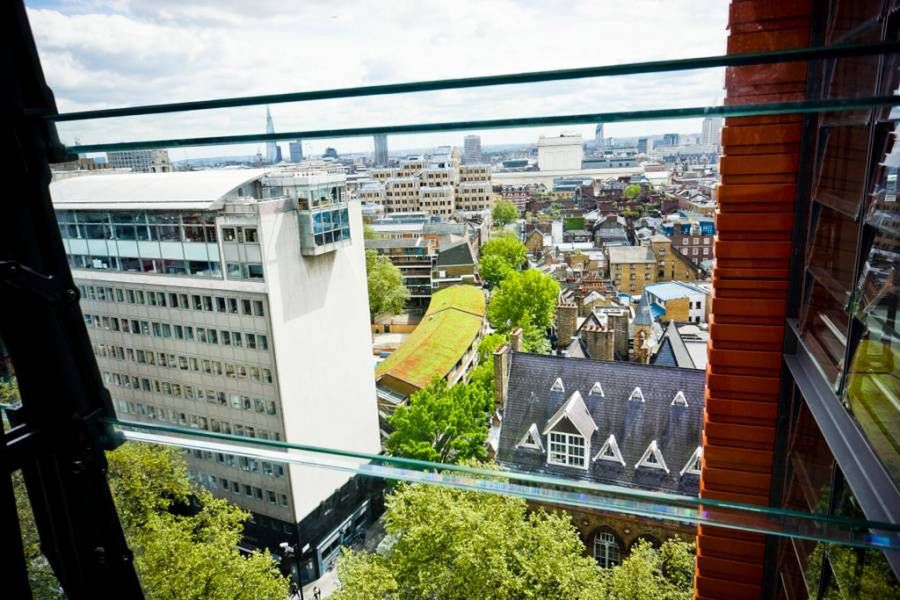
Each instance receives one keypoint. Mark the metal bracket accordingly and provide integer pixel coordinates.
(46, 287)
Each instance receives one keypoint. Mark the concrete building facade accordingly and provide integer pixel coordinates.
(218, 300)
(560, 153)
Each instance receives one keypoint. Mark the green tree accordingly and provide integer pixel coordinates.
(651, 574)
(500, 256)
(179, 554)
(504, 213)
(494, 269)
(631, 191)
(483, 374)
(387, 294)
(511, 250)
(441, 423)
(534, 338)
(368, 232)
(530, 292)
(451, 544)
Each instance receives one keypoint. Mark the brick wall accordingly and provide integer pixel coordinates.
(750, 281)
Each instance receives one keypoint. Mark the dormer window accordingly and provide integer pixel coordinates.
(597, 390)
(610, 451)
(531, 439)
(679, 399)
(693, 464)
(636, 395)
(558, 386)
(652, 458)
(567, 449)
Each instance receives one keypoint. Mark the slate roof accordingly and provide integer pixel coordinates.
(454, 256)
(635, 424)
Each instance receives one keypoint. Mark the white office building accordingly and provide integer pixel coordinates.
(560, 153)
(235, 301)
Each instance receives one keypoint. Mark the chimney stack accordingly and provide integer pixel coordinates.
(566, 322)
(516, 342)
(501, 375)
(600, 342)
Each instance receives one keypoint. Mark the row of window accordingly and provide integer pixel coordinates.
(696, 241)
(204, 335)
(215, 483)
(196, 268)
(184, 363)
(127, 407)
(188, 392)
(222, 304)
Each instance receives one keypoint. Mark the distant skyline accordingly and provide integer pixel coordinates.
(109, 53)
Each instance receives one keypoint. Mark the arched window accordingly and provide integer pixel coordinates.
(607, 551)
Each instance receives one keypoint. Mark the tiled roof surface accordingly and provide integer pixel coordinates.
(635, 424)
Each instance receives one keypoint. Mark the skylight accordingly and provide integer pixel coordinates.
(636, 395)
(558, 386)
(679, 399)
(597, 390)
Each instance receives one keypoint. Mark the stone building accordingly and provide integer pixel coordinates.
(622, 424)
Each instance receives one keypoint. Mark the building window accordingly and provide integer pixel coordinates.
(607, 551)
(567, 449)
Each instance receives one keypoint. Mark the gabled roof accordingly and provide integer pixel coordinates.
(577, 413)
(180, 190)
(676, 429)
(454, 318)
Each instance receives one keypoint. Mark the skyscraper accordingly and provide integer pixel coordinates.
(296, 149)
(381, 150)
(472, 149)
(712, 131)
(598, 135)
(271, 147)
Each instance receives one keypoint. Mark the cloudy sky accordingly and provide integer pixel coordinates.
(110, 53)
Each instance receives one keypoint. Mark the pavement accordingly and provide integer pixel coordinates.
(328, 583)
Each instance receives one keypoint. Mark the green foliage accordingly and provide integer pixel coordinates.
(533, 337)
(177, 556)
(185, 556)
(631, 214)
(483, 374)
(368, 232)
(651, 574)
(511, 250)
(631, 191)
(494, 269)
(528, 292)
(441, 423)
(451, 544)
(9, 391)
(387, 294)
(500, 256)
(504, 213)
(573, 223)
(365, 577)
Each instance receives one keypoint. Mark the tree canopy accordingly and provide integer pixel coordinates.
(451, 544)
(500, 256)
(504, 213)
(631, 191)
(184, 540)
(387, 294)
(441, 423)
(483, 374)
(648, 573)
(527, 292)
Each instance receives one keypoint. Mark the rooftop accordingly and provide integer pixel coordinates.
(453, 320)
(630, 254)
(181, 190)
(638, 404)
(670, 290)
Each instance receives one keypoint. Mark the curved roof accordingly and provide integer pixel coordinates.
(180, 190)
(454, 318)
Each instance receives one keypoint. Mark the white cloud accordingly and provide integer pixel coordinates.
(104, 53)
